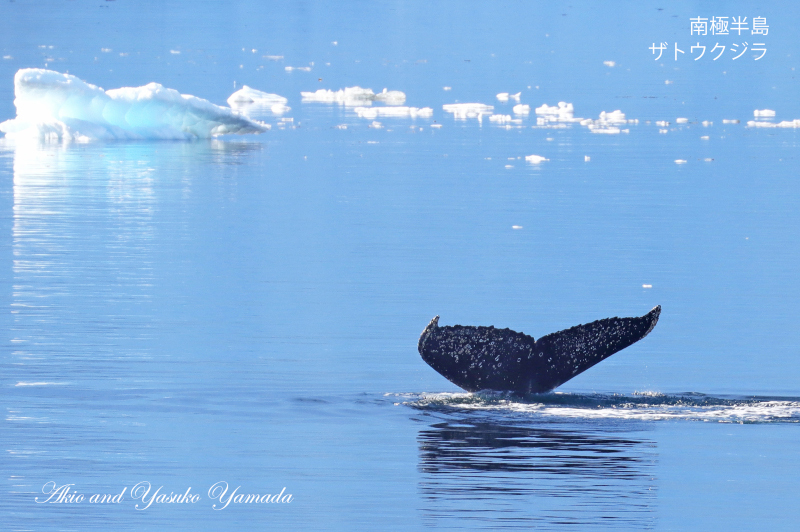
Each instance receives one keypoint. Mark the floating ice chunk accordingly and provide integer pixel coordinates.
(521, 109)
(401, 111)
(706, 123)
(354, 96)
(764, 113)
(682, 121)
(729, 121)
(504, 96)
(704, 137)
(437, 126)
(663, 131)
(51, 105)
(586, 158)
(607, 130)
(562, 112)
(273, 57)
(516, 227)
(447, 88)
(390, 97)
(647, 286)
(535, 159)
(784, 124)
(662, 123)
(376, 125)
(248, 96)
(680, 161)
(106, 50)
(279, 109)
(610, 63)
(502, 119)
(302, 69)
(468, 110)
(175, 52)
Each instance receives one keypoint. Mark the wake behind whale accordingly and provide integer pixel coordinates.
(486, 358)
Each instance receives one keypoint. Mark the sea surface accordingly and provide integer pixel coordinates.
(245, 310)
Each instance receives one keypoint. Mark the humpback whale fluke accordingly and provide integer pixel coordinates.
(485, 358)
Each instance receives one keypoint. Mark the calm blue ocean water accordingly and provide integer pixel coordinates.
(246, 309)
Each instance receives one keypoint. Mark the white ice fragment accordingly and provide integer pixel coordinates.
(563, 111)
(501, 118)
(7, 57)
(302, 69)
(335, 43)
(376, 125)
(509, 166)
(503, 96)
(764, 113)
(249, 96)
(535, 159)
(682, 121)
(647, 286)
(447, 88)
(106, 50)
(521, 109)
(586, 158)
(704, 137)
(668, 82)
(610, 63)
(341, 126)
(175, 52)
(784, 124)
(680, 161)
(279, 109)
(352, 96)
(273, 57)
(400, 112)
(663, 131)
(468, 110)
(730, 121)
(706, 123)
(516, 227)
(606, 130)
(437, 126)
(662, 123)
(55, 106)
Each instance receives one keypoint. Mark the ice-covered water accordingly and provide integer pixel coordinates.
(246, 308)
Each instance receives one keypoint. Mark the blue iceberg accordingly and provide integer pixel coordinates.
(54, 106)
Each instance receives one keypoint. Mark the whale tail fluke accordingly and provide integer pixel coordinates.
(486, 358)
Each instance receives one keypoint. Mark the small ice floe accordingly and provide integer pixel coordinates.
(563, 112)
(730, 121)
(667, 82)
(106, 50)
(447, 88)
(647, 286)
(611, 64)
(341, 126)
(54, 106)
(516, 227)
(301, 69)
(175, 52)
(706, 123)
(502, 119)
(608, 123)
(680, 161)
(663, 131)
(437, 126)
(463, 111)
(280, 109)
(586, 158)
(248, 96)
(353, 96)
(273, 57)
(400, 112)
(509, 166)
(521, 109)
(535, 159)
(764, 113)
(376, 125)
(682, 121)
(784, 124)
(504, 96)
(704, 137)
(662, 123)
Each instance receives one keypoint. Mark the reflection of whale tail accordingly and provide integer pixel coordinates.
(486, 358)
